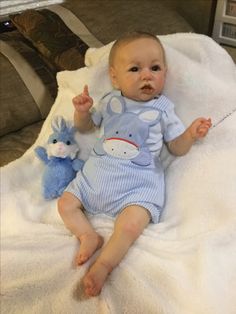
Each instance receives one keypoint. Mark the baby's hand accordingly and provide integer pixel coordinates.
(199, 128)
(83, 102)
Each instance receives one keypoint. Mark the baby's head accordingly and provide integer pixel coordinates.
(137, 66)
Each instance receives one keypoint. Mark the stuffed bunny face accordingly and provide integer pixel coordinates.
(61, 142)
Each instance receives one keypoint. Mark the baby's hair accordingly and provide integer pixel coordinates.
(129, 37)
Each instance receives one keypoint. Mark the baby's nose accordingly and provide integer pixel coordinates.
(146, 74)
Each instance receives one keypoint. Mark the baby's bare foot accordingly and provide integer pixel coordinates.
(95, 278)
(89, 244)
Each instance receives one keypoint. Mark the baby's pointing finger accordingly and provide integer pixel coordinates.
(86, 92)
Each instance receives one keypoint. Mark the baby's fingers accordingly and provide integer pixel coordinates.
(86, 91)
(203, 130)
(208, 123)
(205, 123)
(78, 100)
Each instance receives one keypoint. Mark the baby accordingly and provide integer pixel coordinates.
(123, 176)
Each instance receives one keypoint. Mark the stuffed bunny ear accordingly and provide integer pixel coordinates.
(58, 124)
(72, 129)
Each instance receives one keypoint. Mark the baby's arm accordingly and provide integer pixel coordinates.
(82, 115)
(182, 144)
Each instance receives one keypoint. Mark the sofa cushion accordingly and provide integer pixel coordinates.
(108, 20)
(28, 86)
(14, 144)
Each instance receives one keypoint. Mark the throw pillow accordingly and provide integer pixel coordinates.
(49, 34)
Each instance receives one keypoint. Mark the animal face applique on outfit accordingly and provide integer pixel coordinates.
(60, 159)
(125, 133)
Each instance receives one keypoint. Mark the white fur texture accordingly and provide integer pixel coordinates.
(186, 264)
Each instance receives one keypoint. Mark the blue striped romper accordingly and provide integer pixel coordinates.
(107, 184)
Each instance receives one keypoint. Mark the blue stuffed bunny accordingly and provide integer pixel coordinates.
(59, 158)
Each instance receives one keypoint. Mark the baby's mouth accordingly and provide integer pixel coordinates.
(147, 88)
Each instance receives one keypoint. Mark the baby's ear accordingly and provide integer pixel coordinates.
(112, 73)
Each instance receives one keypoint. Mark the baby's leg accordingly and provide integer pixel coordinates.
(128, 226)
(70, 209)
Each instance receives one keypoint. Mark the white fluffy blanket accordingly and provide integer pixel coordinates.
(186, 264)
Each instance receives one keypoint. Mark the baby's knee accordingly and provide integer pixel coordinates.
(131, 229)
(132, 221)
(67, 204)
(64, 204)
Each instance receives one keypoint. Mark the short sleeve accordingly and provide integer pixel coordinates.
(173, 126)
(97, 112)
(96, 116)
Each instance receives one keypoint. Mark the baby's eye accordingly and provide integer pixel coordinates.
(133, 69)
(54, 141)
(156, 68)
(117, 132)
(68, 143)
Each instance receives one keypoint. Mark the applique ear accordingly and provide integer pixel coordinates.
(116, 105)
(150, 117)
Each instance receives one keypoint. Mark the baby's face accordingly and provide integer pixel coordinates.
(139, 69)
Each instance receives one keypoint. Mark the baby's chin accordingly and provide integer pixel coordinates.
(142, 96)
(145, 97)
